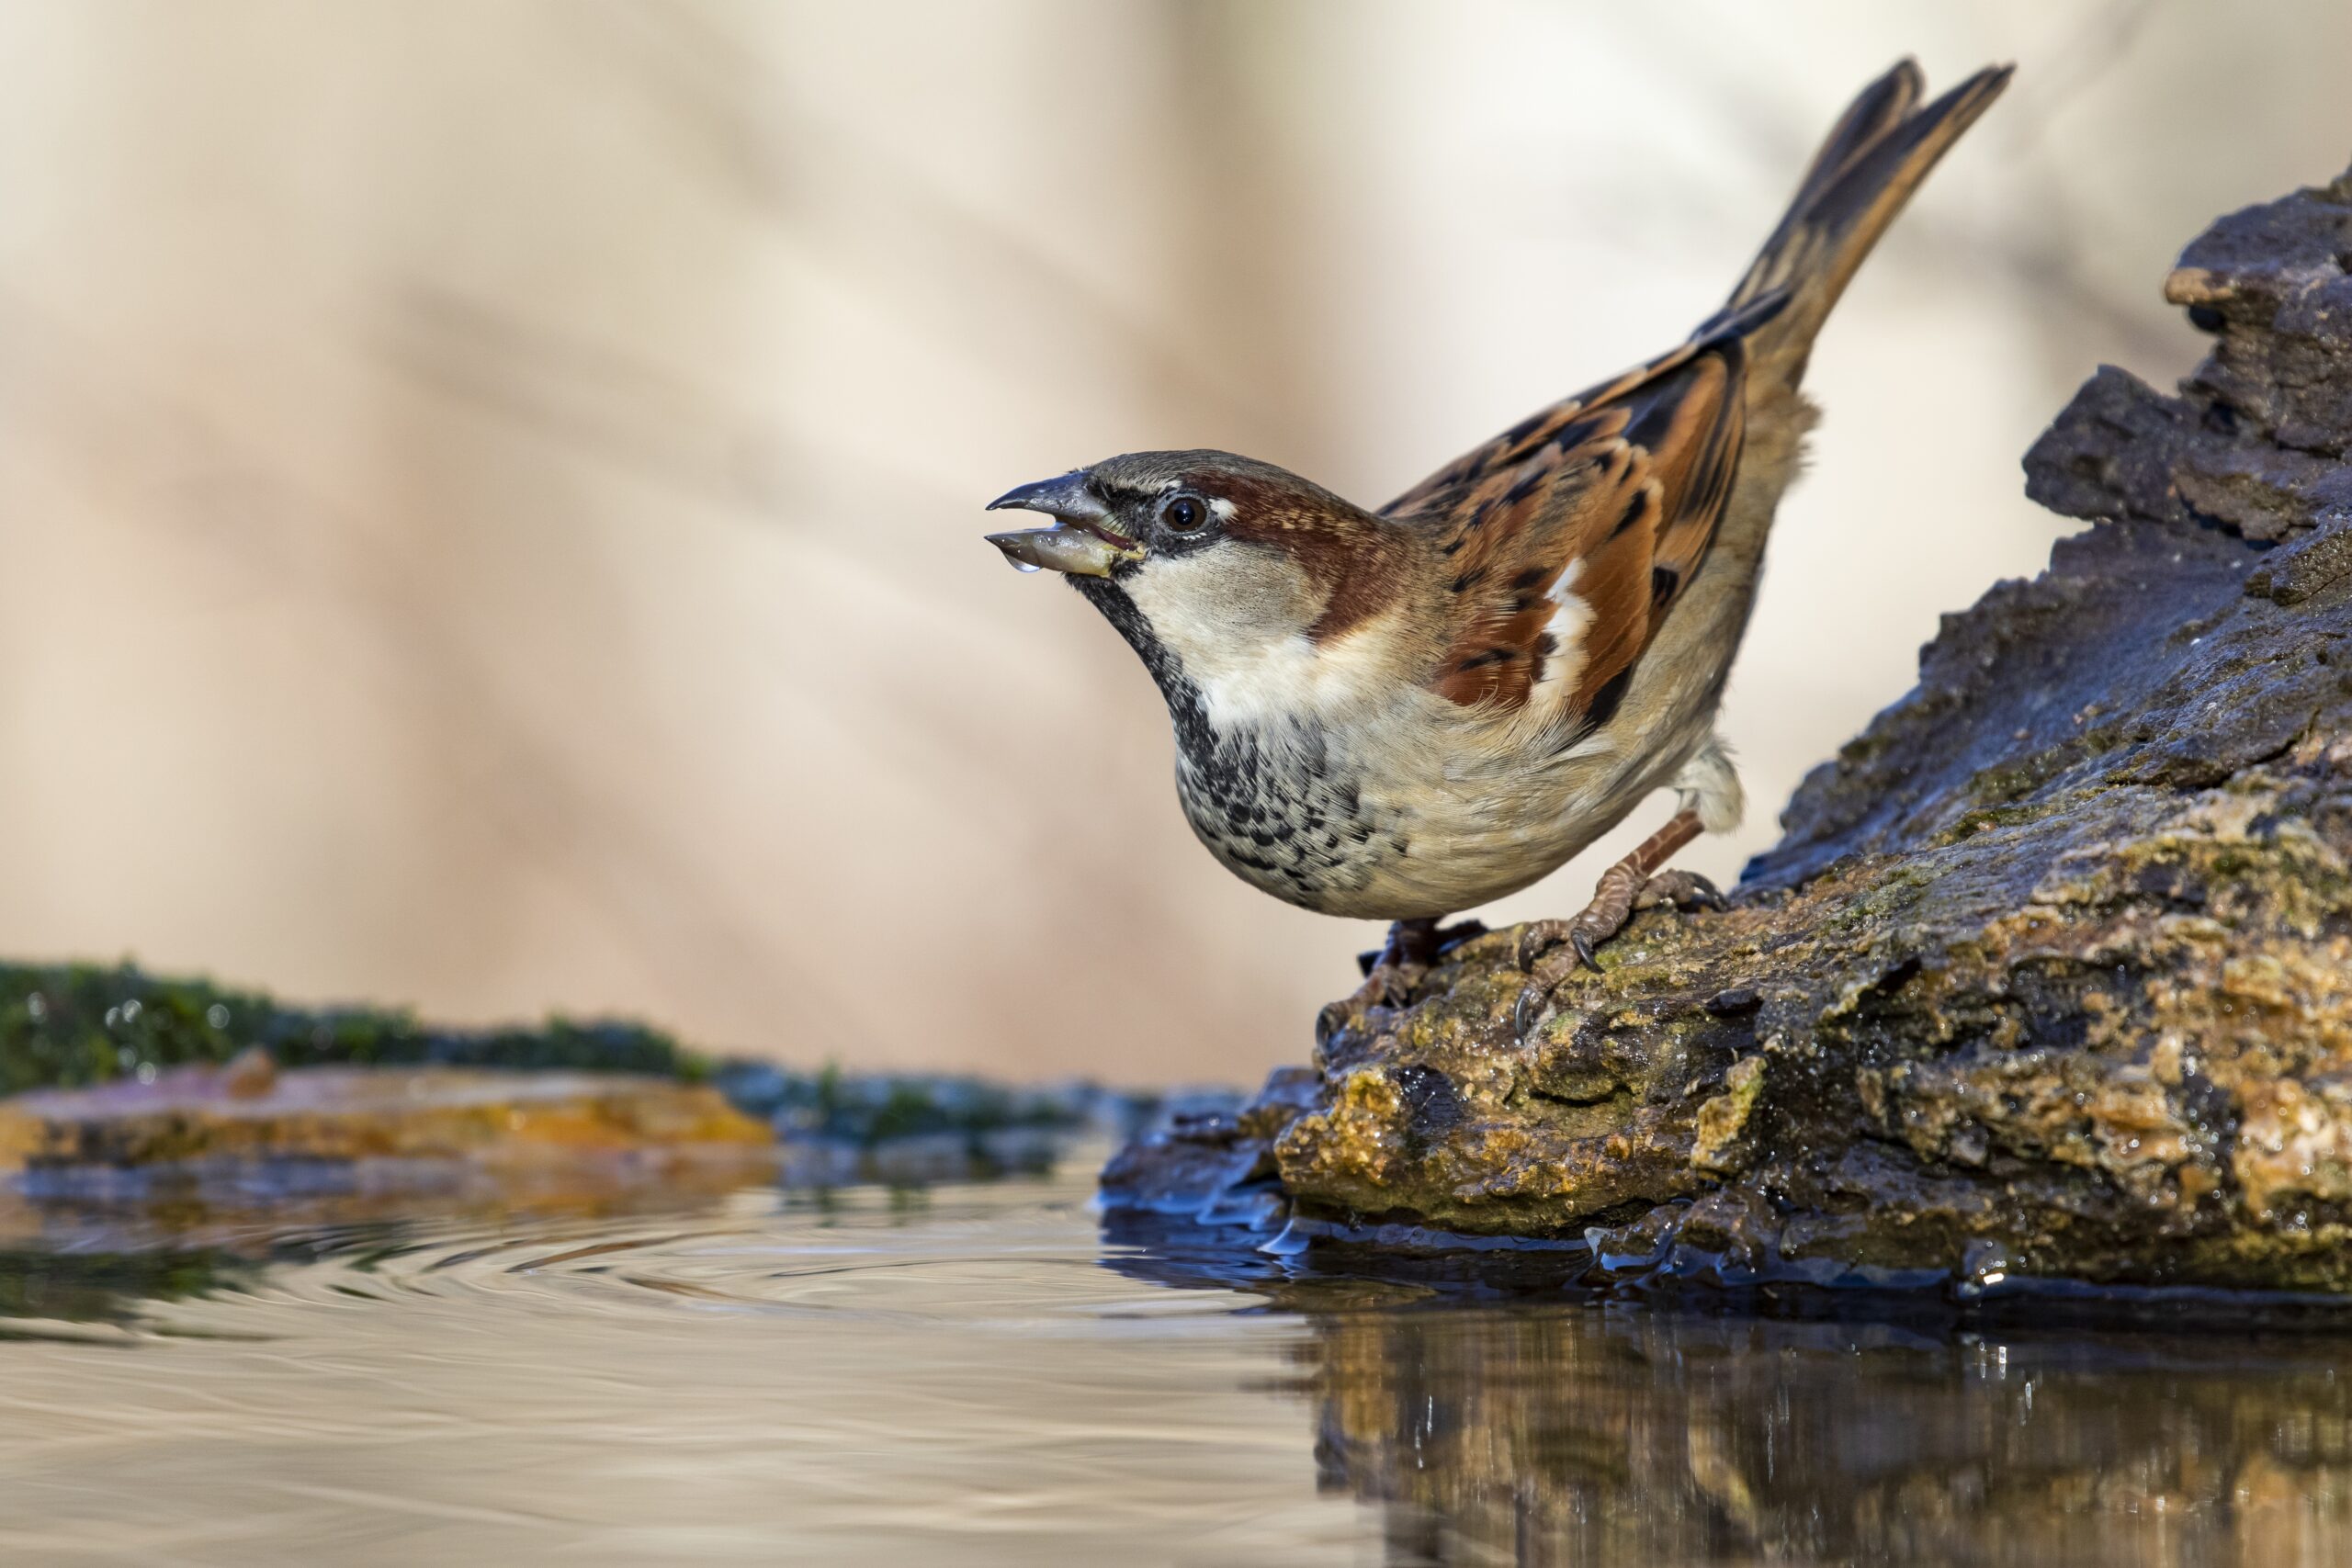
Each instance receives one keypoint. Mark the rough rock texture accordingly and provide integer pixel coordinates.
(2051, 972)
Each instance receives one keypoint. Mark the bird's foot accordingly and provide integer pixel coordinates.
(1390, 969)
(1611, 906)
(1634, 883)
(1683, 889)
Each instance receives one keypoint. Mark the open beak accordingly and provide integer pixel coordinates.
(1082, 542)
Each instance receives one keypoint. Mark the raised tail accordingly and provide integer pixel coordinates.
(1875, 158)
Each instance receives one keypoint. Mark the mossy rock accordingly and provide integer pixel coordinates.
(2052, 972)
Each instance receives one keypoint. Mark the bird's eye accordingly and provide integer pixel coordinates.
(1184, 515)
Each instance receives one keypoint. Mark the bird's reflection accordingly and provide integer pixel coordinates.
(1494, 1421)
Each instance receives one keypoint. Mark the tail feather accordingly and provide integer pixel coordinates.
(1875, 158)
(1879, 108)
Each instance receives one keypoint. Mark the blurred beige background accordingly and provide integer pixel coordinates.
(490, 488)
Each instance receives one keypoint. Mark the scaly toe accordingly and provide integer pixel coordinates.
(1537, 938)
(1683, 889)
(1600, 921)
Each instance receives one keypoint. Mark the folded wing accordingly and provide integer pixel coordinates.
(1571, 536)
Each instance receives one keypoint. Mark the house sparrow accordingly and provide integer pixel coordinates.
(1406, 713)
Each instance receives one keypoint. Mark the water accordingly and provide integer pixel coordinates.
(977, 1374)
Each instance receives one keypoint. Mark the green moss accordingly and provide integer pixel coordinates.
(71, 1025)
(1979, 821)
(2006, 811)
(2299, 881)
(1891, 892)
(68, 1025)
(870, 1110)
(2013, 780)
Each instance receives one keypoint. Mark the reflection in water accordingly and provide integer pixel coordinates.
(1493, 1418)
(989, 1375)
(1621, 1436)
(106, 1287)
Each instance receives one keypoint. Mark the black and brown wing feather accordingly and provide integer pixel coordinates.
(1583, 523)
(1611, 497)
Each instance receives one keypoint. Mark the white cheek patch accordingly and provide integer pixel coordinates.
(1297, 676)
(1239, 626)
(1280, 683)
(1219, 612)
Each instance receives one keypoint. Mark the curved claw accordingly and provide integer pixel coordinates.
(1528, 1011)
(1586, 951)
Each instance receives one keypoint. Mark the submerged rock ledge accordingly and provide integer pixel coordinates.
(2051, 972)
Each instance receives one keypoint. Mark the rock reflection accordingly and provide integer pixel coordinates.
(1503, 1424)
(1618, 1435)
(106, 1287)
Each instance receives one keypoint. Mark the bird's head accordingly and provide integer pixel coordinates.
(1238, 576)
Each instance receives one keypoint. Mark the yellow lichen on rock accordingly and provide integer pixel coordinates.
(2294, 1143)
(1723, 1120)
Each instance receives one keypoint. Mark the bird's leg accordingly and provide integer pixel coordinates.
(1453, 936)
(1412, 945)
(1409, 941)
(1629, 883)
(1418, 942)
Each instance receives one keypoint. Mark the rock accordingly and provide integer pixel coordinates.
(2051, 971)
(205, 1123)
(1186, 1161)
(251, 1074)
(65, 1026)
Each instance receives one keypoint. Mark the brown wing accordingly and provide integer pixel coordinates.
(1613, 496)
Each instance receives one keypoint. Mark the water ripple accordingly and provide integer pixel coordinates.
(978, 1375)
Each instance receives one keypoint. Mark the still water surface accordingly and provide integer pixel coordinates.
(979, 1374)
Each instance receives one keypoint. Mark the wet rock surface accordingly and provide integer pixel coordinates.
(2052, 972)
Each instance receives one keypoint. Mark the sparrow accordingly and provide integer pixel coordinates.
(1404, 713)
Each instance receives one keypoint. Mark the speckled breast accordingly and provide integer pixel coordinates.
(1278, 813)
